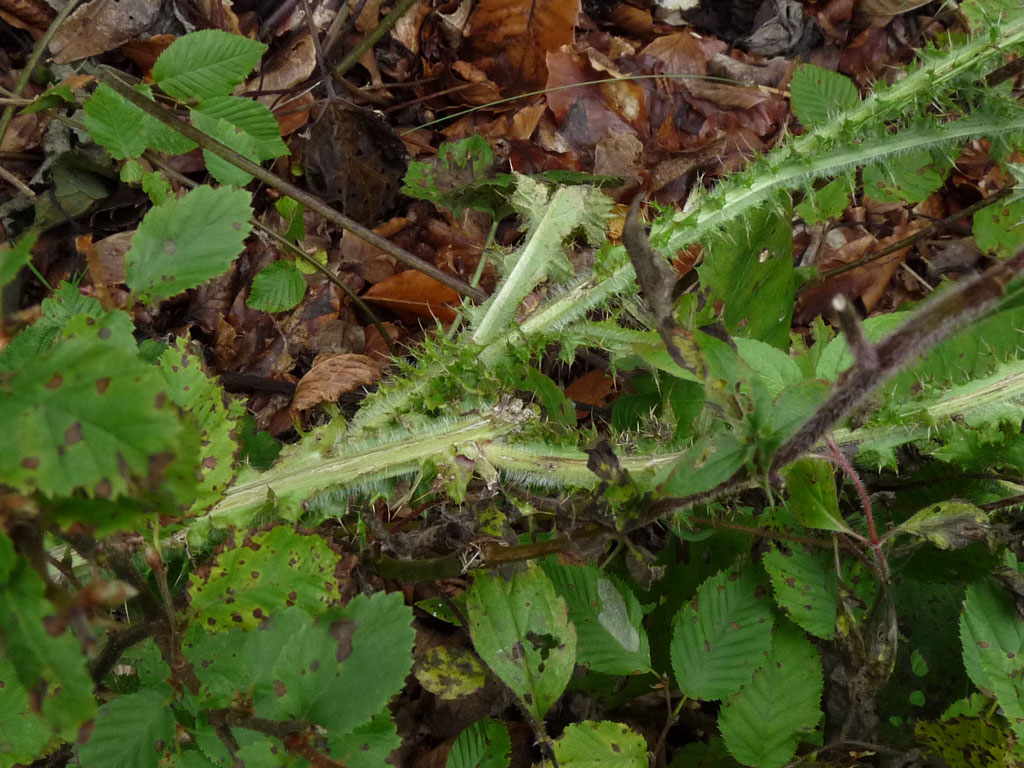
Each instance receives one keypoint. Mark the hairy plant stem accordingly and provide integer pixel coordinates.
(311, 202)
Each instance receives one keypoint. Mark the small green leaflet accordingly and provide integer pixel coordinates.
(521, 629)
(811, 486)
(614, 617)
(593, 744)
(484, 744)
(818, 94)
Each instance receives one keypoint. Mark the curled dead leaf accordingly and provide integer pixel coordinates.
(413, 296)
(332, 376)
(512, 38)
(100, 26)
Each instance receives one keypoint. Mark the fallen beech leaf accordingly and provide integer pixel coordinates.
(591, 388)
(100, 26)
(145, 52)
(512, 39)
(332, 376)
(26, 14)
(413, 296)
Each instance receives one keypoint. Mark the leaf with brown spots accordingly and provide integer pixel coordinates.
(244, 585)
(84, 416)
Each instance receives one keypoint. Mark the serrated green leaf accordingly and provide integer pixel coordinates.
(806, 588)
(521, 630)
(277, 287)
(484, 744)
(773, 366)
(999, 229)
(752, 275)
(132, 731)
(369, 745)
(204, 64)
(88, 415)
(232, 137)
(762, 724)
(305, 661)
(609, 635)
(707, 463)
(813, 500)
(993, 642)
(910, 177)
(720, 638)
(52, 667)
(186, 241)
(593, 744)
(826, 203)
(818, 95)
(126, 131)
(249, 116)
(257, 577)
(216, 423)
(13, 259)
(24, 736)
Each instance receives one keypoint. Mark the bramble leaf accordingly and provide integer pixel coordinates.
(257, 577)
(591, 744)
(813, 500)
(806, 588)
(277, 287)
(87, 415)
(762, 723)
(132, 731)
(609, 635)
(721, 637)
(51, 667)
(818, 95)
(484, 744)
(124, 130)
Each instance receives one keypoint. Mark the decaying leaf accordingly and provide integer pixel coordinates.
(100, 26)
(332, 376)
(414, 296)
(512, 39)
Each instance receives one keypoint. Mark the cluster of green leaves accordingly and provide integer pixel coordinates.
(113, 436)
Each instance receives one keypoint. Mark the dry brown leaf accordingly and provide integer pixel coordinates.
(332, 376)
(145, 52)
(512, 38)
(680, 53)
(413, 296)
(219, 14)
(26, 14)
(374, 346)
(100, 26)
(407, 29)
(591, 388)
